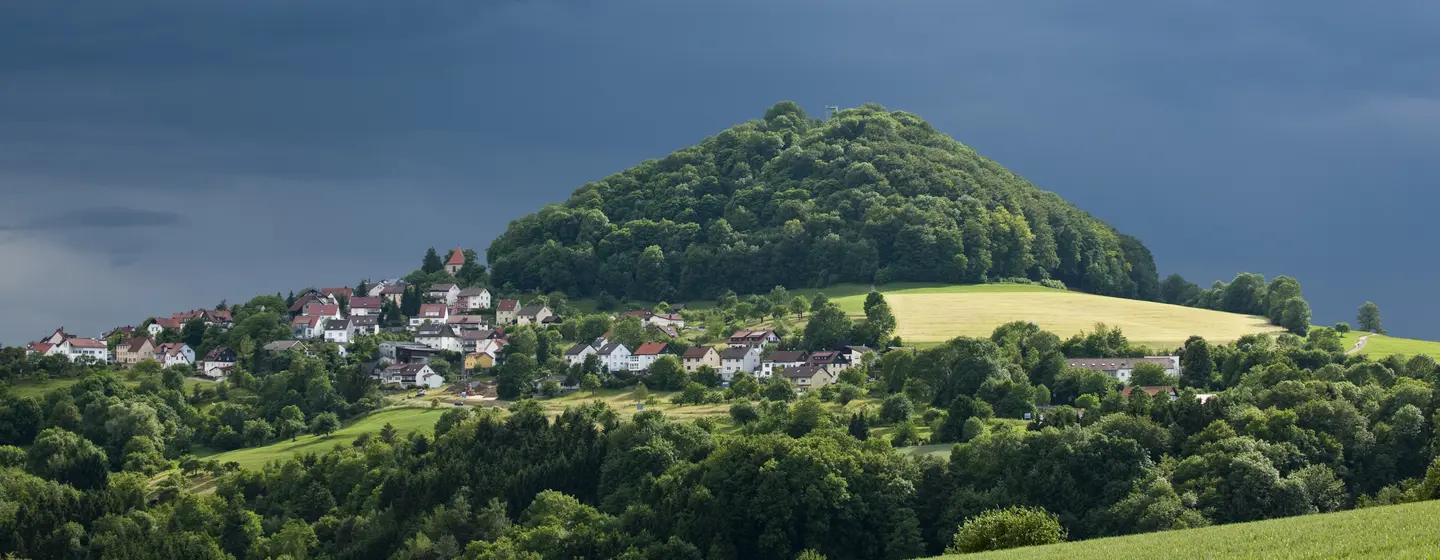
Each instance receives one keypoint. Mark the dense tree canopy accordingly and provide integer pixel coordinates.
(867, 196)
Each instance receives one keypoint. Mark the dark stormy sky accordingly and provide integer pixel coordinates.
(158, 155)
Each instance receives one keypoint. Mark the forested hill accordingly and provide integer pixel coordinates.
(868, 195)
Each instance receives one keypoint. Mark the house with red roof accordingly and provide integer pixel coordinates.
(456, 262)
(174, 354)
(77, 348)
(162, 323)
(308, 326)
(646, 354)
(505, 311)
(432, 312)
(130, 352)
(757, 339)
(365, 306)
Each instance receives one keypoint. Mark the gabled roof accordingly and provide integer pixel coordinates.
(698, 352)
(428, 310)
(736, 353)
(788, 356)
(435, 329)
(406, 369)
(457, 258)
(651, 349)
(40, 347)
(282, 345)
(364, 320)
(579, 349)
(532, 310)
(136, 344)
(805, 371)
(751, 335)
(828, 357)
(167, 323)
(311, 321)
(454, 319)
(217, 354)
(337, 292)
(171, 348)
(442, 287)
(669, 316)
(337, 325)
(612, 348)
(87, 343)
(322, 309)
(393, 290)
(363, 302)
(482, 334)
(859, 349)
(468, 292)
(508, 305)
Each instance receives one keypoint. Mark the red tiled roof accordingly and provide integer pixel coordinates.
(650, 348)
(135, 344)
(508, 305)
(87, 343)
(311, 321)
(337, 292)
(432, 310)
(393, 289)
(697, 352)
(457, 258)
(40, 347)
(365, 303)
(322, 309)
(170, 348)
(167, 323)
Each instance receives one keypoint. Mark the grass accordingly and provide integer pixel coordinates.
(405, 420)
(38, 389)
(1403, 531)
(1379, 346)
(929, 314)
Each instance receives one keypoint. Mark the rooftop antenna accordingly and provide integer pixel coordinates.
(830, 111)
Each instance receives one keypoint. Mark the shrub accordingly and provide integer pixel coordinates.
(1007, 528)
(1052, 283)
(896, 408)
(743, 413)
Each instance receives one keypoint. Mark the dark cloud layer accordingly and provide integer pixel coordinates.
(1279, 137)
(110, 217)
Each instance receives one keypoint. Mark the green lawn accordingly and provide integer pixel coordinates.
(38, 389)
(1379, 346)
(405, 420)
(1404, 531)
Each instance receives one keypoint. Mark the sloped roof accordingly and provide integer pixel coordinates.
(698, 352)
(87, 343)
(651, 349)
(737, 353)
(805, 371)
(363, 302)
(457, 257)
(428, 310)
(612, 348)
(578, 349)
(788, 356)
(508, 305)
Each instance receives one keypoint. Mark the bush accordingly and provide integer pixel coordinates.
(1007, 528)
(1342, 327)
(896, 408)
(693, 393)
(743, 413)
(1052, 283)
(846, 393)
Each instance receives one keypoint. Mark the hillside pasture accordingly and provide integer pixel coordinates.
(1379, 346)
(405, 420)
(1403, 531)
(930, 314)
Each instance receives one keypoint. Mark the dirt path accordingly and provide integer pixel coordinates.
(1358, 345)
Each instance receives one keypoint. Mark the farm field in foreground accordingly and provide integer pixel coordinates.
(405, 420)
(929, 314)
(1403, 531)
(1379, 346)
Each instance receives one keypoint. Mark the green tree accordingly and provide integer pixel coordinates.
(514, 377)
(590, 382)
(432, 263)
(742, 412)
(667, 374)
(744, 386)
(1368, 318)
(629, 332)
(1011, 527)
(896, 408)
(708, 376)
(859, 426)
(193, 332)
(1196, 365)
(879, 321)
(68, 458)
(1295, 316)
(593, 327)
(290, 423)
(778, 389)
(324, 424)
(828, 329)
(1146, 374)
(798, 306)
(961, 409)
(388, 433)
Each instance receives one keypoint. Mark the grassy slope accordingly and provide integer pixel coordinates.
(405, 420)
(38, 389)
(931, 313)
(1404, 531)
(1379, 346)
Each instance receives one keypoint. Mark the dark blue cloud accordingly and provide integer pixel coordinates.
(110, 217)
(1278, 137)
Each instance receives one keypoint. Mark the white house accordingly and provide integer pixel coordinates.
(308, 326)
(646, 354)
(576, 354)
(364, 324)
(754, 338)
(435, 313)
(162, 323)
(323, 310)
(444, 293)
(76, 348)
(615, 356)
(532, 314)
(505, 311)
(419, 375)
(174, 354)
(1120, 368)
(856, 354)
(474, 298)
(337, 331)
(737, 359)
(439, 337)
(667, 320)
(781, 359)
(218, 362)
(364, 306)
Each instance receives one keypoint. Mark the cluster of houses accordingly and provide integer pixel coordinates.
(131, 351)
(746, 351)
